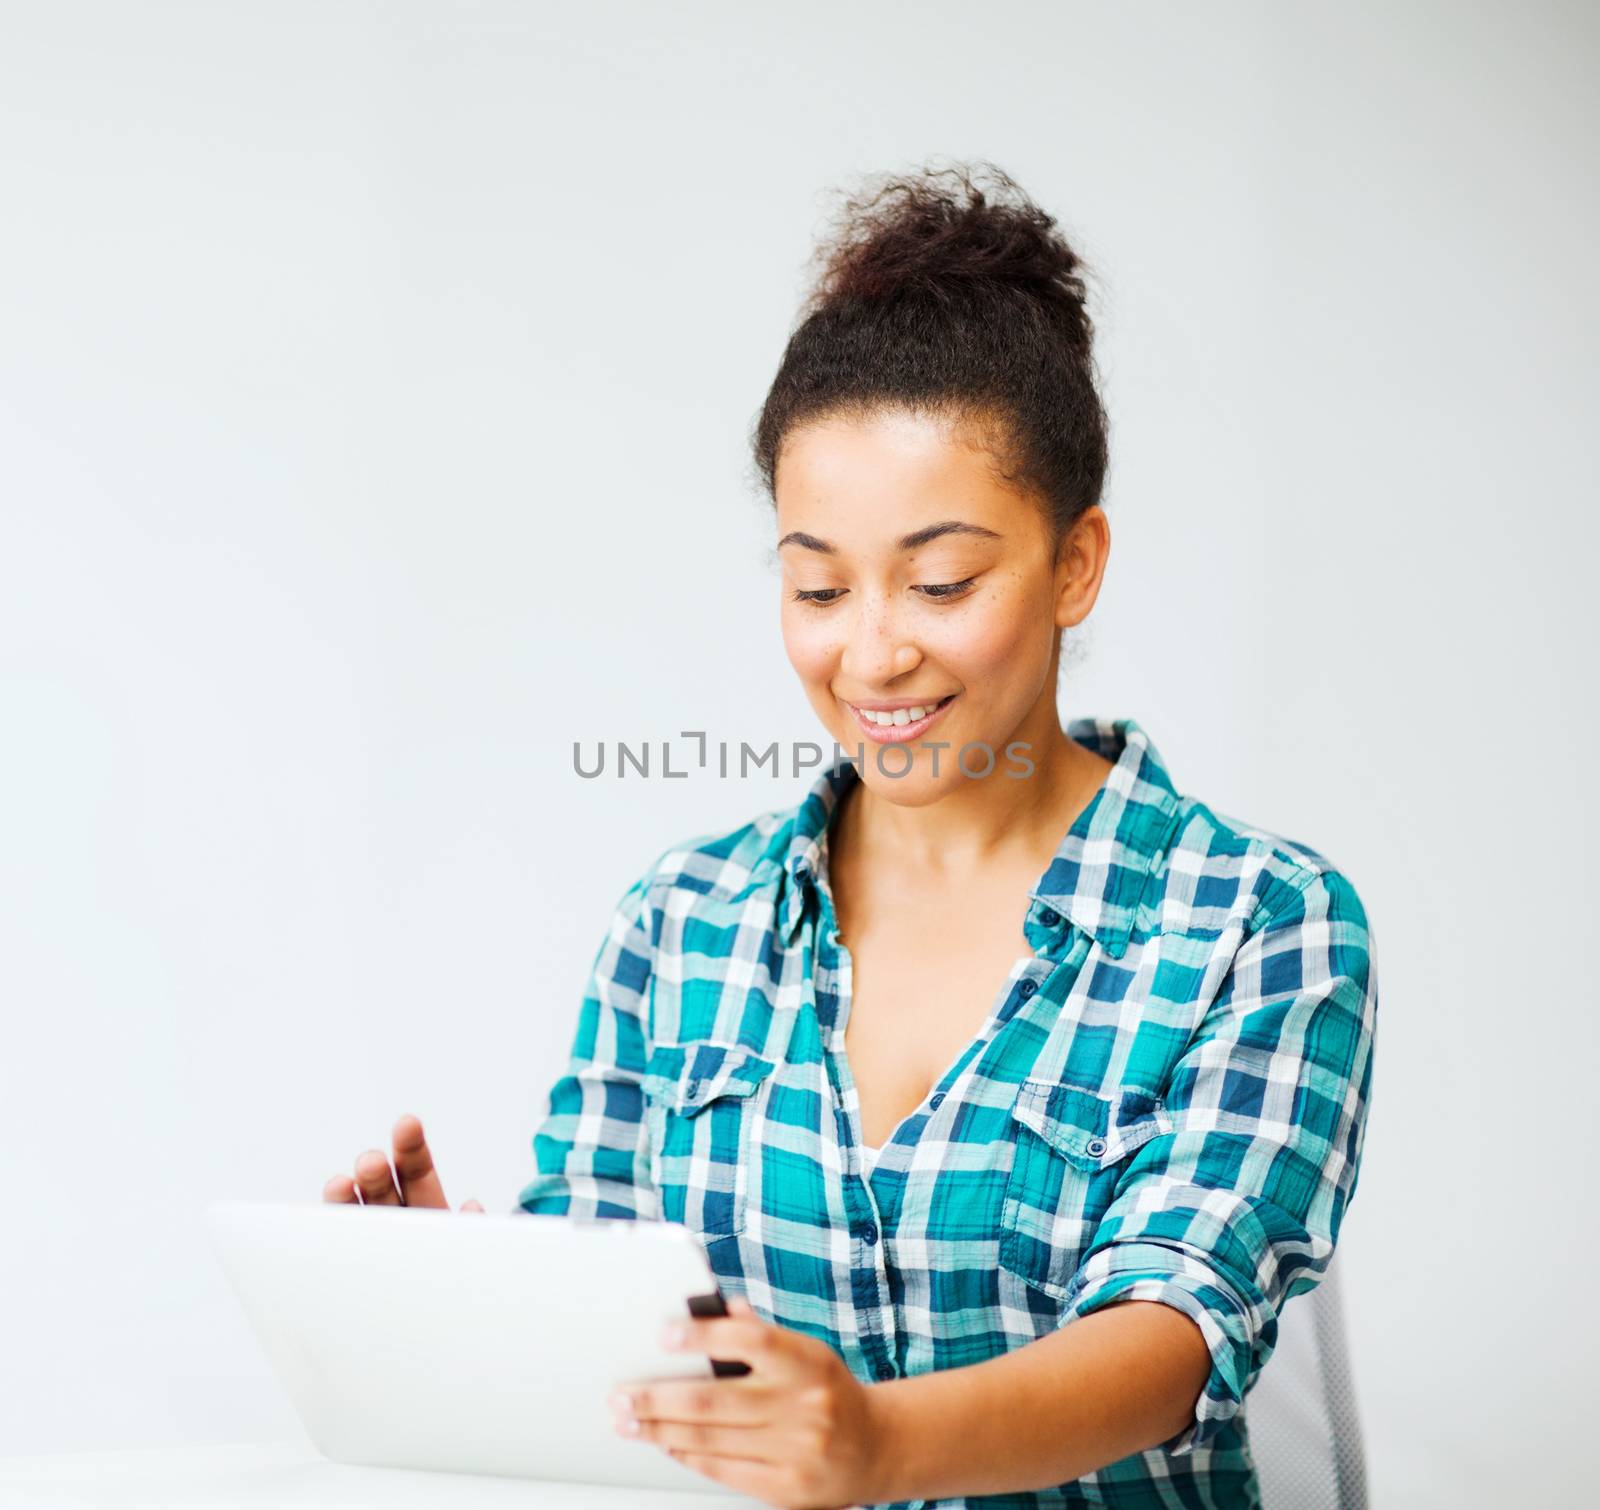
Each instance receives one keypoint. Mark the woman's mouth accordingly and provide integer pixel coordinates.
(897, 727)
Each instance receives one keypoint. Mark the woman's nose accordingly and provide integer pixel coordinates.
(877, 652)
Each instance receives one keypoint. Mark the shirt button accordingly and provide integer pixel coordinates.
(885, 1371)
(692, 1089)
(868, 1234)
(936, 1100)
(1026, 989)
(1096, 1147)
(1049, 918)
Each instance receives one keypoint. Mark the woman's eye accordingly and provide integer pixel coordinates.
(818, 595)
(943, 590)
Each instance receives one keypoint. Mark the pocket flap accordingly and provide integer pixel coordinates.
(1072, 1121)
(688, 1077)
(1089, 1130)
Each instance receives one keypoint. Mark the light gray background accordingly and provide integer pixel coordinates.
(374, 383)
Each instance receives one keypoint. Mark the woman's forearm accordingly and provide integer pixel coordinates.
(1121, 1380)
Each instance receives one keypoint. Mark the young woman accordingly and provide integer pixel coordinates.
(1011, 1092)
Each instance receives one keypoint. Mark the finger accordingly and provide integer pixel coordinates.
(472, 1205)
(739, 1306)
(413, 1163)
(374, 1180)
(341, 1190)
(749, 1444)
(760, 1481)
(743, 1339)
(725, 1402)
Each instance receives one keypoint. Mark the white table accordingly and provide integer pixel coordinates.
(295, 1474)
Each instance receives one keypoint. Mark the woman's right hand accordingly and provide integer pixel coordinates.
(413, 1181)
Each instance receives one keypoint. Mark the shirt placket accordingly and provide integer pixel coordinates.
(869, 1280)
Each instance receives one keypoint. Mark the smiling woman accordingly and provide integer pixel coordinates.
(1012, 1100)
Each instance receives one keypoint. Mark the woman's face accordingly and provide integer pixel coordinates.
(914, 579)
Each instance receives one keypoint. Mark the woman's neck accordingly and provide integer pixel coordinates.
(981, 822)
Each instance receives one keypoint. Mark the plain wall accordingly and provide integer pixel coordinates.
(374, 390)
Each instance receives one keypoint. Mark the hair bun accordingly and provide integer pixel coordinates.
(942, 232)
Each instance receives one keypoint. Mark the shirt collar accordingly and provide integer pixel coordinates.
(1099, 871)
(805, 858)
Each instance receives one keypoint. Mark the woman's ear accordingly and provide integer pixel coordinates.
(1081, 566)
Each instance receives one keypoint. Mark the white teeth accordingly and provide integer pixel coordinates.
(898, 716)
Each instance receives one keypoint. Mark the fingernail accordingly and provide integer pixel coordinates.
(622, 1400)
(627, 1427)
(674, 1336)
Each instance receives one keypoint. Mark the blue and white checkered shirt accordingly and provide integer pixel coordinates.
(1166, 1101)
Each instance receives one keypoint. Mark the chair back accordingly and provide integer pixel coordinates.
(1305, 1433)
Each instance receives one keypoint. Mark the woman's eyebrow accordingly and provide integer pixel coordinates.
(909, 542)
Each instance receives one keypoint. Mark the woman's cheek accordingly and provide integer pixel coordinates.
(1001, 660)
(983, 649)
(810, 651)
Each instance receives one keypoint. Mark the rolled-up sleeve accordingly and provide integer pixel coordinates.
(591, 1148)
(1237, 1207)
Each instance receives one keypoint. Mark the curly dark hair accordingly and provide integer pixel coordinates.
(948, 291)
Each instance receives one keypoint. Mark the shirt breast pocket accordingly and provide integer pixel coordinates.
(1073, 1146)
(703, 1102)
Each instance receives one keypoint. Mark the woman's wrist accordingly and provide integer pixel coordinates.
(893, 1451)
(898, 1413)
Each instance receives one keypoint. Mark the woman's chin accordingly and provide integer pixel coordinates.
(906, 773)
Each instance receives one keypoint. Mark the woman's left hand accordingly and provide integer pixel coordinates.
(798, 1430)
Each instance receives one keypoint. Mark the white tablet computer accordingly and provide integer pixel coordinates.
(475, 1343)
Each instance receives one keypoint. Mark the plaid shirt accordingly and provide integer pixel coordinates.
(1166, 1101)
